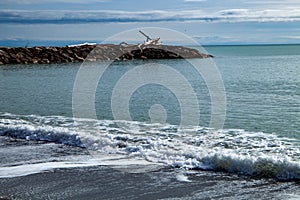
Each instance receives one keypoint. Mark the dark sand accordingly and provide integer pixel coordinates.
(106, 183)
(103, 182)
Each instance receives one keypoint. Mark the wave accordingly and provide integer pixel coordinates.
(233, 150)
(22, 129)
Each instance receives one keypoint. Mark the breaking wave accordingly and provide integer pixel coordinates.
(233, 150)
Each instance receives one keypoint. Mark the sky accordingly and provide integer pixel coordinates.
(206, 21)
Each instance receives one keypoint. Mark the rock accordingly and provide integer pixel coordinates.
(95, 53)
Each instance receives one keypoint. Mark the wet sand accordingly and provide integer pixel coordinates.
(106, 183)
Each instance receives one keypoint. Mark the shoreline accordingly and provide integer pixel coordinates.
(93, 52)
(118, 182)
(107, 183)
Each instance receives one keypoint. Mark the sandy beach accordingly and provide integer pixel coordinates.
(106, 183)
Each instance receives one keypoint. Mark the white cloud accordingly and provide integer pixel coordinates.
(260, 15)
(231, 15)
(291, 37)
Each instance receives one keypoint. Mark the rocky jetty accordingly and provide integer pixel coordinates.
(43, 55)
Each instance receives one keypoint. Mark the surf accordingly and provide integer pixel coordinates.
(111, 142)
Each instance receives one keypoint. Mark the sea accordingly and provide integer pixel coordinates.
(50, 150)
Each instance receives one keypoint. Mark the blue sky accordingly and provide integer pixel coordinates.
(207, 21)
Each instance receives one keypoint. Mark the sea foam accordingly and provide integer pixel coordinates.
(233, 150)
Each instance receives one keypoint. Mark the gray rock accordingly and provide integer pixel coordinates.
(44, 55)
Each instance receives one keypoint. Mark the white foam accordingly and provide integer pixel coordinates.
(293, 196)
(182, 178)
(134, 143)
(27, 169)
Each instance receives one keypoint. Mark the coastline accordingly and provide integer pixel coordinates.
(93, 52)
(117, 182)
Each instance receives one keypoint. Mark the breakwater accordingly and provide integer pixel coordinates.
(80, 53)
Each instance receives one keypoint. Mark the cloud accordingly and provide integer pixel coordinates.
(106, 16)
(291, 37)
(261, 15)
(21, 16)
(216, 39)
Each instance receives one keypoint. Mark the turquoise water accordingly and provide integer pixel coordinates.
(261, 83)
(262, 87)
